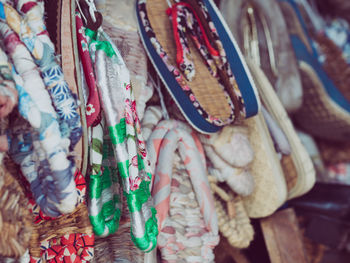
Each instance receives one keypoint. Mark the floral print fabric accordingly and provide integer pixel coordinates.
(93, 102)
(124, 128)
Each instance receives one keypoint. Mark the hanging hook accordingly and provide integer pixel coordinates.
(92, 18)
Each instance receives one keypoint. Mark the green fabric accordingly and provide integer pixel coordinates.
(118, 132)
(150, 236)
(138, 197)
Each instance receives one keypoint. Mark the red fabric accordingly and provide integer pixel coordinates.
(73, 248)
(93, 107)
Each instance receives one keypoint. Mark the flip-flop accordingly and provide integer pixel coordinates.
(325, 112)
(205, 103)
(181, 221)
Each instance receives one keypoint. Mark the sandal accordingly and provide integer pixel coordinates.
(186, 229)
(206, 85)
(325, 112)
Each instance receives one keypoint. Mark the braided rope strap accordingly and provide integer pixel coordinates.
(188, 231)
(8, 92)
(234, 222)
(104, 191)
(93, 107)
(38, 145)
(33, 34)
(124, 129)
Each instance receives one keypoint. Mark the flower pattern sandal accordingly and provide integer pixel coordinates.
(196, 99)
(124, 129)
(104, 189)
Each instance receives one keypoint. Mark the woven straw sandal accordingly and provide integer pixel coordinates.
(233, 220)
(65, 237)
(297, 167)
(195, 87)
(16, 222)
(325, 110)
(270, 186)
(263, 25)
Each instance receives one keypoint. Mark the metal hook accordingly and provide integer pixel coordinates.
(92, 18)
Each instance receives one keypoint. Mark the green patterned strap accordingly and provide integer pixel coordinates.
(104, 188)
(125, 133)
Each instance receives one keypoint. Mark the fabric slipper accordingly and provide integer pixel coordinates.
(227, 167)
(211, 87)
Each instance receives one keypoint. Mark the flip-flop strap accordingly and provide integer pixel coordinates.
(184, 19)
(183, 53)
(93, 102)
(177, 138)
(104, 190)
(250, 36)
(125, 132)
(224, 69)
(200, 38)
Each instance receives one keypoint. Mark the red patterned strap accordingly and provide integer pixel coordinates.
(93, 102)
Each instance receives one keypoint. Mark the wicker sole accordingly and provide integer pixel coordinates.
(319, 114)
(325, 112)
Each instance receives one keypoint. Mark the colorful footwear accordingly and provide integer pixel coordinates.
(209, 93)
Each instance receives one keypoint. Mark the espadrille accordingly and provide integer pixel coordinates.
(211, 85)
(325, 112)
